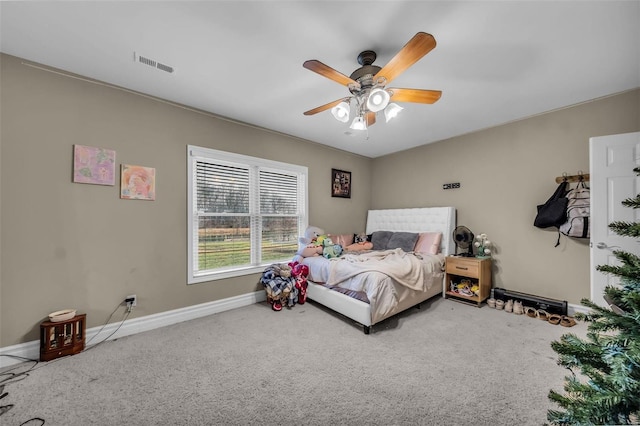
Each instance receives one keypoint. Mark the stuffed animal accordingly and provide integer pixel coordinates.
(308, 245)
(311, 235)
(300, 274)
(278, 284)
(360, 238)
(361, 242)
(329, 249)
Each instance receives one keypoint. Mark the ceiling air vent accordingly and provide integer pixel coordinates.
(152, 63)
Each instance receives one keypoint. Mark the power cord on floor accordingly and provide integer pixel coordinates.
(16, 377)
(105, 324)
(7, 377)
(126, 315)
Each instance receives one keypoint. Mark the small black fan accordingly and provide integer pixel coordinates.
(463, 237)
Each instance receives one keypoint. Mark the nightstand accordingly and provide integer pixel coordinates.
(472, 271)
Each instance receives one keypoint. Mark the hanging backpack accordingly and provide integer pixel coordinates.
(554, 211)
(578, 212)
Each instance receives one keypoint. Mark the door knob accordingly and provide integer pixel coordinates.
(602, 245)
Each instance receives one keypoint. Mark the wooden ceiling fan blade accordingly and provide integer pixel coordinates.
(328, 72)
(325, 107)
(414, 95)
(416, 48)
(370, 118)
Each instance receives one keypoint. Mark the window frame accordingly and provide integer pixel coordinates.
(196, 153)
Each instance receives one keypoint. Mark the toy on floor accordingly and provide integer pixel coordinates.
(300, 273)
(278, 283)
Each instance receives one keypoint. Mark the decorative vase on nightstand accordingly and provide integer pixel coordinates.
(482, 244)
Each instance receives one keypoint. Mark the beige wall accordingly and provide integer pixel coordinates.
(75, 245)
(504, 173)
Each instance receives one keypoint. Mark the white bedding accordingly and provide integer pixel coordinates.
(388, 292)
(389, 278)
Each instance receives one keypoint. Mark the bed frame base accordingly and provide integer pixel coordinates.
(354, 309)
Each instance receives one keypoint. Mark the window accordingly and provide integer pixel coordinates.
(244, 213)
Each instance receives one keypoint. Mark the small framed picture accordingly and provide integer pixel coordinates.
(340, 183)
(137, 182)
(94, 165)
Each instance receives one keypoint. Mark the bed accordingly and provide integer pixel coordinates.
(374, 285)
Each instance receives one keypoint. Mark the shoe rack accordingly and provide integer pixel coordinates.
(465, 274)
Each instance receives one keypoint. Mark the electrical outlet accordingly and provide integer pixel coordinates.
(135, 300)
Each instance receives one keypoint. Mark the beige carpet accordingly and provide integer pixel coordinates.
(444, 364)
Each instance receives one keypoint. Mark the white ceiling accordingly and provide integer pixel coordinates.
(495, 61)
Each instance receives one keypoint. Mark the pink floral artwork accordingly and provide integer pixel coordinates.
(138, 183)
(94, 165)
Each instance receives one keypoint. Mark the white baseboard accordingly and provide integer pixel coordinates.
(31, 350)
(572, 309)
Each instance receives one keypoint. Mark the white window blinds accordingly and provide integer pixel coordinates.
(244, 212)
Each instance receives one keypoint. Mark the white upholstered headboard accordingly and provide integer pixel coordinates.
(421, 219)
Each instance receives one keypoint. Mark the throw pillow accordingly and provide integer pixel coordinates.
(428, 242)
(403, 240)
(380, 239)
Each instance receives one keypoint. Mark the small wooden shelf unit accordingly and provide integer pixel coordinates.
(474, 269)
(62, 338)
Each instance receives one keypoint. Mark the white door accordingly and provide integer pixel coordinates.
(612, 160)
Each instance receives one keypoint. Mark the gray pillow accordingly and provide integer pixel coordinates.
(380, 239)
(404, 240)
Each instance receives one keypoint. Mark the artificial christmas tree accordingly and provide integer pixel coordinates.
(607, 388)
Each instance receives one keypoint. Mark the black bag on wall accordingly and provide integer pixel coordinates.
(554, 211)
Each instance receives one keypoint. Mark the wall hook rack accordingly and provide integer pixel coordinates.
(580, 177)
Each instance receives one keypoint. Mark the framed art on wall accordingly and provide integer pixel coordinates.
(137, 183)
(94, 165)
(340, 183)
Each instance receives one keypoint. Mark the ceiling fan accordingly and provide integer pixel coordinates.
(367, 84)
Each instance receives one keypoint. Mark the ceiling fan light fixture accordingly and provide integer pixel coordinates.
(358, 124)
(378, 99)
(341, 112)
(391, 111)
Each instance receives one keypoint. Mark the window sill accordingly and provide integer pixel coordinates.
(226, 274)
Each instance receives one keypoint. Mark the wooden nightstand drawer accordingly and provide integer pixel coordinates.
(461, 266)
(467, 279)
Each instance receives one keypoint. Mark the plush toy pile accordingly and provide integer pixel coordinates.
(316, 243)
(285, 284)
(300, 274)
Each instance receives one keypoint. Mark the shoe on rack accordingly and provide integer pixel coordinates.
(542, 315)
(554, 319)
(466, 291)
(567, 321)
(508, 307)
(517, 308)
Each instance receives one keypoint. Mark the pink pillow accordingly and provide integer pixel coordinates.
(342, 239)
(428, 242)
